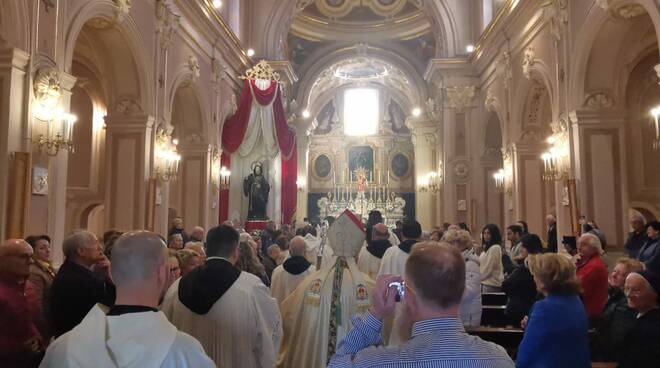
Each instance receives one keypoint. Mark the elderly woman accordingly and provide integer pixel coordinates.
(490, 260)
(617, 318)
(556, 333)
(470, 309)
(641, 346)
(592, 272)
(519, 286)
(188, 260)
(175, 241)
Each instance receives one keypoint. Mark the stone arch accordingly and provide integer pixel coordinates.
(534, 109)
(186, 95)
(131, 76)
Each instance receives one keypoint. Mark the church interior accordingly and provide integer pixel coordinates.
(161, 114)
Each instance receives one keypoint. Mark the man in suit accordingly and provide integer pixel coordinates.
(82, 281)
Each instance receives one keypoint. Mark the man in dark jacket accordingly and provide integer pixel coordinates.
(636, 238)
(552, 233)
(82, 281)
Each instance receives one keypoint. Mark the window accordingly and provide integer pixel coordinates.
(360, 111)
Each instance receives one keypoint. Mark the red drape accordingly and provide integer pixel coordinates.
(223, 196)
(234, 131)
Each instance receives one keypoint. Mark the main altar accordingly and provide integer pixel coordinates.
(360, 193)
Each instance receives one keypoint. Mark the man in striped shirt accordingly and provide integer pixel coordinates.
(434, 284)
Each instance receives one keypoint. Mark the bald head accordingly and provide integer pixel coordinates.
(137, 257)
(197, 233)
(380, 232)
(15, 259)
(297, 246)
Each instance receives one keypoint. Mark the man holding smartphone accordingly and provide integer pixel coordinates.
(438, 337)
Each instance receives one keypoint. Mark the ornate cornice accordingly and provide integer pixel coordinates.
(460, 97)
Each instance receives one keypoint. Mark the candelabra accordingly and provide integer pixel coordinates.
(432, 183)
(166, 157)
(556, 159)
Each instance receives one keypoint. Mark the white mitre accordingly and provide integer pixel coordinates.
(346, 235)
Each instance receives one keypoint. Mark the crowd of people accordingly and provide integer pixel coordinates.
(360, 295)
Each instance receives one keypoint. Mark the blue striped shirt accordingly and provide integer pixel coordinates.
(437, 343)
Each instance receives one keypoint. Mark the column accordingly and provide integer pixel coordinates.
(194, 184)
(424, 137)
(128, 168)
(303, 142)
(13, 67)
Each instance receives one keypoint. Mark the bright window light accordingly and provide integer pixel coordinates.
(360, 111)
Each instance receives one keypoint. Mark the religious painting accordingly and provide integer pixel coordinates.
(322, 166)
(39, 181)
(360, 156)
(400, 165)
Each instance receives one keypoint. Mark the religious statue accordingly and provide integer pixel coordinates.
(256, 188)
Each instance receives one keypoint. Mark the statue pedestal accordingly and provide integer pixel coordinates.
(255, 225)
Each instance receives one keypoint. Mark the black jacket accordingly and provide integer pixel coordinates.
(615, 322)
(635, 242)
(520, 290)
(641, 346)
(74, 292)
(552, 239)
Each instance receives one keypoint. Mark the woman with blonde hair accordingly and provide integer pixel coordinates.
(470, 309)
(556, 333)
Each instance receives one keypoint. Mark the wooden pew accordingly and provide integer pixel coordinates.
(493, 299)
(493, 315)
(508, 338)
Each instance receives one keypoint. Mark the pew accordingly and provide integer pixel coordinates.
(493, 315)
(508, 338)
(493, 299)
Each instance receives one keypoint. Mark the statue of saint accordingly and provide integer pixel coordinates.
(256, 188)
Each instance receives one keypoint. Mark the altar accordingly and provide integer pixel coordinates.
(360, 194)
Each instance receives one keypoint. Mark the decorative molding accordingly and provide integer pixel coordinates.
(167, 23)
(557, 13)
(461, 170)
(123, 9)
(47, 87)
(262, 70)
(599, 100)
(530, 135)
(128, 107)
(626, 11)
(506, 69)
(48, 4)
(529, 59)
(491, 101)
(218, 70)
(460, 97)
(193, 66)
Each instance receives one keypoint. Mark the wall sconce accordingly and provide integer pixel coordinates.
(503, 182)
(47, 95)
(301, 184)
(556, 159)
(432, 183)
(166, 157)
(656, 114)
(219, 174)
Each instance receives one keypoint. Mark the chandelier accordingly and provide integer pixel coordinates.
(499, 177)
(556, 158)
(656, 113)
(166, 157)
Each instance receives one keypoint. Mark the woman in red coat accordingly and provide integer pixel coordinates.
(592, 272)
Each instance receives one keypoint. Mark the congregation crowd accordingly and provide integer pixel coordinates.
(289, 297)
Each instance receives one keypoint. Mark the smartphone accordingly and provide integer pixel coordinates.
(400, 289)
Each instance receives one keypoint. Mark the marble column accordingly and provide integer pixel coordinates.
(424, 137)
(128, 168)
(195, 184)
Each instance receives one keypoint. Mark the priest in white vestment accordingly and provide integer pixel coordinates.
(315, 246)
(132, 333)
(288, 275)
(317, 316)
(372, 252)
(394, 263)
(229, 311)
